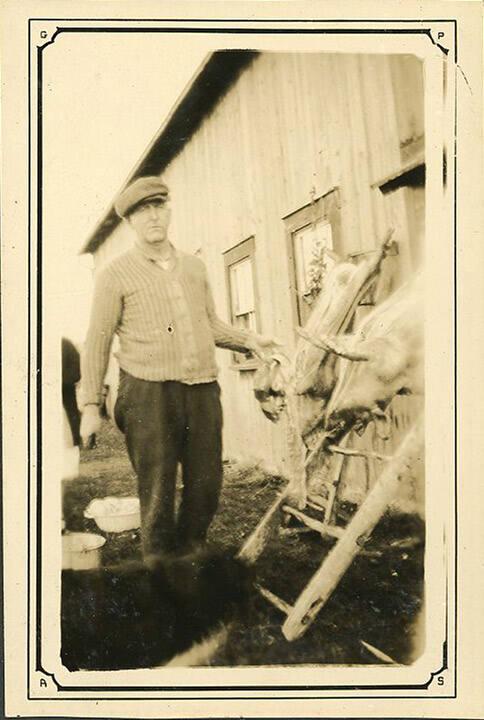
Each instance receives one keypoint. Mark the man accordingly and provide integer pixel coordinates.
(158, 301)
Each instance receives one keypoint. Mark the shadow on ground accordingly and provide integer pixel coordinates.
(377, 600)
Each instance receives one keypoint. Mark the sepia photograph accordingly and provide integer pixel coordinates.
(221, 497)
(241, 360)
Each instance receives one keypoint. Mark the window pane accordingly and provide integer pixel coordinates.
(307, 245)
(303, 246)
(246, 321)
(242, 288)
(325, 238)
(324, 234)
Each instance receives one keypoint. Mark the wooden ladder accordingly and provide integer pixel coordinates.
(349, 540)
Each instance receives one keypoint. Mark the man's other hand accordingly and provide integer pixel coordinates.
(90, 425)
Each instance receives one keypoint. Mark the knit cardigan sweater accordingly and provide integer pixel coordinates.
(165, 321)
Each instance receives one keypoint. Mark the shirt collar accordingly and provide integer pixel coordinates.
(151, 256)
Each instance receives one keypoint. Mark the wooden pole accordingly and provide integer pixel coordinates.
(321, 528)
(278, 602)
(327, 577)
(297, 490)
(255, 543)
(378, 653)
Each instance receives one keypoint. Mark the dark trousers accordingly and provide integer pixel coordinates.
(167, 423)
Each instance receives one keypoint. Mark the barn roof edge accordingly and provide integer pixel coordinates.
(214, 77)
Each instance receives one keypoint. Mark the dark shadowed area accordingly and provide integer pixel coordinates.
(376, 602)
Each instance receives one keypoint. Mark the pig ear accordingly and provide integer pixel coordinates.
(342, 345)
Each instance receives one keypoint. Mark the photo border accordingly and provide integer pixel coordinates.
(35, 340)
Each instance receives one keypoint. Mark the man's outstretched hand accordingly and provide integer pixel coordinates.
(90, 425)
(264, 345)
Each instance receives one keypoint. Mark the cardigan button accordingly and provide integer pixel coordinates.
(170, 329)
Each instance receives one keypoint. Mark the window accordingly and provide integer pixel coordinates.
(242, 292)
(313, 246)
(313, 239)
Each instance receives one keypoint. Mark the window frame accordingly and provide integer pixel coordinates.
(242, 251)
(326, 207)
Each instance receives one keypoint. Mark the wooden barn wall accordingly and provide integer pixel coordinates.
(292, 127)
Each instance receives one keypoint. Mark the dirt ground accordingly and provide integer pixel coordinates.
(376, 602)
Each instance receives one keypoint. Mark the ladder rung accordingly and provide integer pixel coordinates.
(280, 604)
(320, 527)
(319, 497)
(353, 452)
(288, 531)
(326, 485)
(315, 506)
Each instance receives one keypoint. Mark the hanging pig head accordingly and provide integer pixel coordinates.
(270, 386)
(382, 359)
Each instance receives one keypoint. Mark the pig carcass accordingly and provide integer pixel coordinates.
(304, 385)
(382, 359)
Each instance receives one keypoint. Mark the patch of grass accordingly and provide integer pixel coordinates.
(376, 601)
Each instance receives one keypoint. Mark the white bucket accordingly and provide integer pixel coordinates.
(81, 551)
(115, 514)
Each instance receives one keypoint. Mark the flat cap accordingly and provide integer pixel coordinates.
(139, 190)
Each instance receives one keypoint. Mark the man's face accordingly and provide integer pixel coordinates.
(150, 220)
